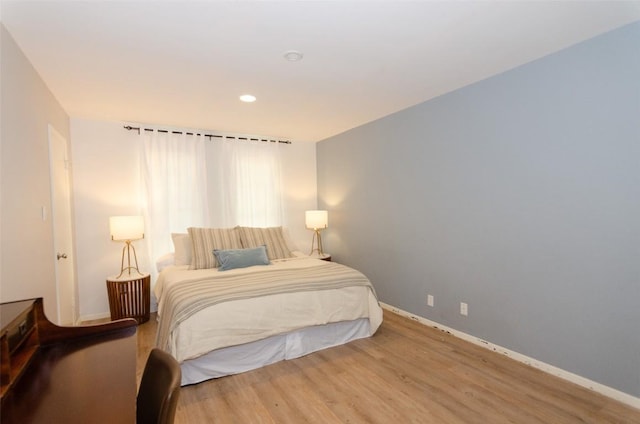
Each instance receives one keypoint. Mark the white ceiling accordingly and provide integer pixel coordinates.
(184, 63)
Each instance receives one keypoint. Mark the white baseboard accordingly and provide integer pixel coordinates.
(550, 369)
(93, 317)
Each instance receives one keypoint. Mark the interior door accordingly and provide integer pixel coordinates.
(62, 228)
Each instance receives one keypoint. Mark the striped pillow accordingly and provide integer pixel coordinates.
(272, 237)
(204, 240)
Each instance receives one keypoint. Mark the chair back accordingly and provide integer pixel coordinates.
(159, 389)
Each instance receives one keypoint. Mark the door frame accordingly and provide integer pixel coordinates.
(66, 296)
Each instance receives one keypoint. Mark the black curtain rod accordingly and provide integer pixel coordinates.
(211, 136)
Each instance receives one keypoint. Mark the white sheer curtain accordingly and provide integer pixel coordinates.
(246, 183)
(174, 181)
(191, 181)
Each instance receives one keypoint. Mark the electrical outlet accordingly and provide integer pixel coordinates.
(464, 309)
(429, 300)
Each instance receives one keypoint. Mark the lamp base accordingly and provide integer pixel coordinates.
(128, 248)
(316, 236)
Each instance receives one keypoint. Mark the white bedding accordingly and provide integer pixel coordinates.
(248, 320)
(249, 356)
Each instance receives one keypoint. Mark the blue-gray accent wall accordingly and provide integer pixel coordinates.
(519, 195)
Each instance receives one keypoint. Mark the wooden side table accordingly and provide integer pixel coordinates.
(130, 297)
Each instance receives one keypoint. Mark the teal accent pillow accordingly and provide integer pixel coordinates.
(241, 258)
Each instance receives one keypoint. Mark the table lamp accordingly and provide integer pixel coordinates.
(316, 221)
(127, 229)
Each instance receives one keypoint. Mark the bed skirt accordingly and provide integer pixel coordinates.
(249, 356)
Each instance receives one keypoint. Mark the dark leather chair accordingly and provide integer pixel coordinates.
(159, 389)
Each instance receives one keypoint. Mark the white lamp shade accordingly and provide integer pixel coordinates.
(316, 219)
(126, 227)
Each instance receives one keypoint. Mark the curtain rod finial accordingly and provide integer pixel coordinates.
(129, 128)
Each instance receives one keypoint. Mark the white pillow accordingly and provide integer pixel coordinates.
(182, 247)
(164, 261)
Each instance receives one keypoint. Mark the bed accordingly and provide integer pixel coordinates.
(219, 321)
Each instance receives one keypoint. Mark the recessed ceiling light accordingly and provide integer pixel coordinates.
(248, 98)
(293, 55)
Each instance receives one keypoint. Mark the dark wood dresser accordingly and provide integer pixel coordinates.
(53, 374)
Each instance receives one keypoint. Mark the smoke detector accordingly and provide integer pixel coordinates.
(293, 56)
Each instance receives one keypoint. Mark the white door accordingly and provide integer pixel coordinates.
(62, 228)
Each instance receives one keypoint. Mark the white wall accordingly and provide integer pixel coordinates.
(300, 190)
(107, 182)
(27, 265)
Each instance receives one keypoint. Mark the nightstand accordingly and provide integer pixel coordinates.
(130, 297)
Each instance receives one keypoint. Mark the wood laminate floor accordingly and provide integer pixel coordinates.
(405, 373)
